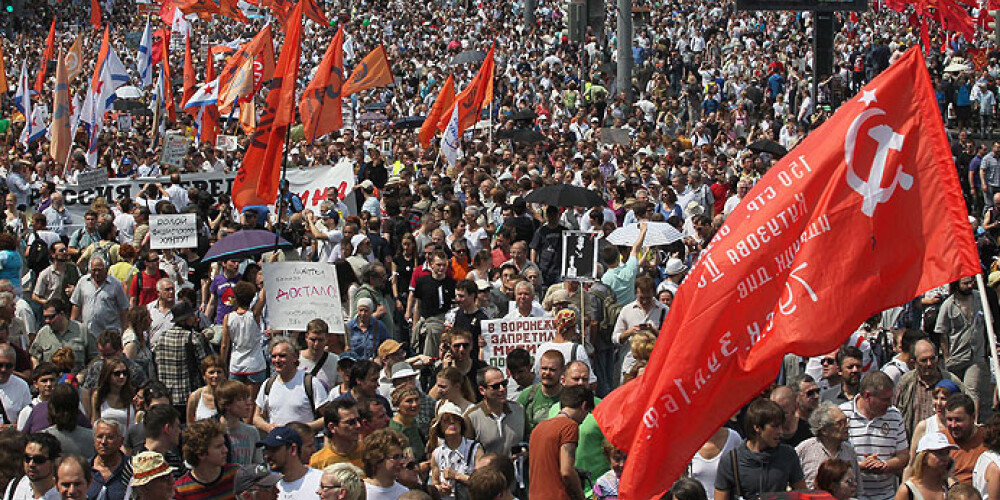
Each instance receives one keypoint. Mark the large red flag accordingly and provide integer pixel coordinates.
(470, 100)
(865, 214)
(321, 105)
(210, 115)
(50, 46)
(372, 71)
(257, 180)
(444, 100)
(189, 79)
(95, 14)
(229, 9)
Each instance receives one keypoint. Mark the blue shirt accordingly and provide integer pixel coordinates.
(621, 280)
(116, 484)
(365, 342)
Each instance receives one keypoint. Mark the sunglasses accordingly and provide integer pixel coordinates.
(120, 373)
(829, 361)
(461, 345)
(49, 316)
(38, 459)
(6, 366)
(812, 392)
(502, 383)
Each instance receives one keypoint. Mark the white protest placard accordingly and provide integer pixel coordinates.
(299, 292)
(173, 231)
(226, 142)
(505, 335)
(175, 146)
(92, 179)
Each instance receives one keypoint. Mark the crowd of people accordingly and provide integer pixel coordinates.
(128, 372)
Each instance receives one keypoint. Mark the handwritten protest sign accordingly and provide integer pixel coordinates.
(173, 231)
(175, 146)
(504, 335)
(226, 142)
(92, 179)
(299, 292)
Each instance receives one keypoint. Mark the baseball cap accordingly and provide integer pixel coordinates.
(350, 357)
(933, 441)
(388, 347)
(248, 477)
(280, 436)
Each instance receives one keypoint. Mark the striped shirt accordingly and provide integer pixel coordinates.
(189, 488)
(885, 436)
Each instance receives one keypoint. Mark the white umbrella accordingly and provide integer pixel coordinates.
(129, 92)
(658, 233)
(957, 67)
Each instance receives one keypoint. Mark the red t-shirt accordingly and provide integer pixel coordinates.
(148, 291)
(547, 440)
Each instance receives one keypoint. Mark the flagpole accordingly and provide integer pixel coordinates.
(990, 334)
(284, 178)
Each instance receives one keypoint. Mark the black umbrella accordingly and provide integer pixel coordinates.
(375, 106)
(524, 114)
(128, 105)
(410, 122)
(565, 195)
(768, 146)
(468, 57)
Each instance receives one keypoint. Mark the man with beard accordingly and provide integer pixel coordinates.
(960, 327)
(961, 429)
(39, 480)
(281, 452)
(57, 278)
(914, 392)
(850, 359)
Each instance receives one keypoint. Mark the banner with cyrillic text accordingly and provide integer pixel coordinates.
(505, 335)
(173, 231)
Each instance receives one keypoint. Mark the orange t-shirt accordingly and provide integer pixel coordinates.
(966, 455)
(547, 439)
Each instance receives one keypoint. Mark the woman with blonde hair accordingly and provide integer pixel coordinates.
(930, 473)
(642, 343)
(454, 387)
(201, 402)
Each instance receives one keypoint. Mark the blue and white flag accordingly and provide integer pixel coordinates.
(207, 95)
(144, 60)
(22, 100)
(450, 140)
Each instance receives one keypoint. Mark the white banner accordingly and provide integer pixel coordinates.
(504, 335)
(311, 184)
(299, 292)
(173, 231)
(92, 179)
(175, 148)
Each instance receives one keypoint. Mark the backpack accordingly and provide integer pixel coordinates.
(611, 308)
(307, 382)
(102, 251)
(37, 256)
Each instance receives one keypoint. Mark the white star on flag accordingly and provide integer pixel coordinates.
(868, 97)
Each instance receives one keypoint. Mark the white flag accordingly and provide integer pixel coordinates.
(450, 140)
(144, 60)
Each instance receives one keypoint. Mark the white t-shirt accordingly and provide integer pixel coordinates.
(14, 395)
(704, 470)
(328, 374)
(288, 402)
(393, 492)
(23, 491)
(304, 488)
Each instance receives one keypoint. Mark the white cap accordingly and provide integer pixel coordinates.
(675, 266)
(933, 441)
(449, 407)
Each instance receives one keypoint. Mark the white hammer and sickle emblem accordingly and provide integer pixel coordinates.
(887, 139)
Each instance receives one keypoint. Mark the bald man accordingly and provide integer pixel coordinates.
(795, 429)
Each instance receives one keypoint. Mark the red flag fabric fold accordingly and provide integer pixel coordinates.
(95, 14)
(313, 11)
(321, 104)
(168, 86)
(868, 203)
(50, 46)
(372, 71)
(445, 100)
(189, 79)
(257, 180)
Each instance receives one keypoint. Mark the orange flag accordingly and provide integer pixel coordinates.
(257, 180)
(869, 202)
(204, 8)
(189, 79)
(50, 47)
(61, 141)
(4, 87)
(95, 14)
(373, 71)
(168, 85)
(470, 101)
(321, 105)
(260, 45)
(210, 115)
(101, 55)
(242, 85)
(229, 9)
(248, 116)
(445, 99)
(74, 59)
(313, 11)
(280, 8)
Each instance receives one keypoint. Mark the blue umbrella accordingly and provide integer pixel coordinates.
(243, 244)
